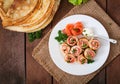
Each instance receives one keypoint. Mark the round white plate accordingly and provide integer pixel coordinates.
(76, 68)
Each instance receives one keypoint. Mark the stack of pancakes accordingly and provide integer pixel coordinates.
(27, 15)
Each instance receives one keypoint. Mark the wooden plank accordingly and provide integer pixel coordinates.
(113, 70)
(99, 78)
(102, 3)
(35, 74)
(113, 9)
(12, 65)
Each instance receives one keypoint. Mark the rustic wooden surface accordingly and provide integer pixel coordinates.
(18, 67)
(12, 57)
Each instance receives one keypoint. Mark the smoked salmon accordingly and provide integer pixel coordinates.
(89, 53)
(94, 44)
(72, 40)
(65, 48)
(82, 59)
(83, 42)
(76, 50)
(74, 29)
(69, 58)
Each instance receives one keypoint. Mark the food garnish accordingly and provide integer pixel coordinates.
(87, 32)
(34, 35)
(90, 61)
(74, 29)
(61, 37)
(77, 2)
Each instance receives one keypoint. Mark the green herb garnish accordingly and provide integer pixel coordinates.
(89, 57)
(90, 61)
(95, 51)
(84, 31)
(86, 34)
(82, 61)
(38, 34)
(73, 51)
(68, 61)
(84, 45)
(34, 35)
(61, 37)
(77, 2)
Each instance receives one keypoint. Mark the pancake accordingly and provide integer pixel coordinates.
(7, 4)
(17, 12)
(41, 15)
(57, 2)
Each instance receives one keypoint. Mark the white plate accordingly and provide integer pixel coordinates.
(76, 68)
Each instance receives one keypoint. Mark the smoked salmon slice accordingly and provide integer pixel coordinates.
(68, 29)
(74, 29)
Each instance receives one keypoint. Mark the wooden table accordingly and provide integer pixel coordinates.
(18, 67)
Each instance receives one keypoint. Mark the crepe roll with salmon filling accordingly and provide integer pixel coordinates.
(76, 50)
(82, 59)
(72, 40)
(89, 53)
(94, 44)
(69, 58)
(83, 42)
(65, 48)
